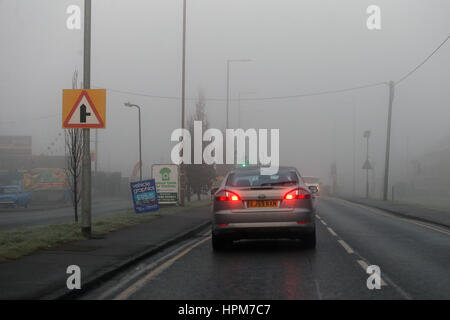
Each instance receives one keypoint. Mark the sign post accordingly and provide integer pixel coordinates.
(86, 161)
(85, 109)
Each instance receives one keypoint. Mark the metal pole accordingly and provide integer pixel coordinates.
(239, 110)
(228, 90)
(354, 150)
(367, 170)
(388, 141)
(140, 145)
(96, 152)
(86, 162)
(182, 182)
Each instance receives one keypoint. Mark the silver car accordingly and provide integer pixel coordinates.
(249, 205)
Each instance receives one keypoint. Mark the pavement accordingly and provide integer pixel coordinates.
(42, 275)
(406, 210)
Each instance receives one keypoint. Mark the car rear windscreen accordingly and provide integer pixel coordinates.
(253, 178)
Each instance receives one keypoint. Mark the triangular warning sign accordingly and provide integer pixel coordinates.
(83, 114)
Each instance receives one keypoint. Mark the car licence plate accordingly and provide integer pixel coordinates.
(262, 203)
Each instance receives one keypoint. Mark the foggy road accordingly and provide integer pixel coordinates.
(414, 260)
(24, 218)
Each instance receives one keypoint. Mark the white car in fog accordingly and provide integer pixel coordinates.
(313, 184)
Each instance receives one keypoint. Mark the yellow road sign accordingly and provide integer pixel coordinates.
(84, 108)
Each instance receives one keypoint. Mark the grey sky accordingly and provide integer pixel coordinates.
(296, 47)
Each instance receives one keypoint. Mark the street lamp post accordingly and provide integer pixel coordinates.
(128, 104)
(228, 84)
(183, 92)
(391, 86)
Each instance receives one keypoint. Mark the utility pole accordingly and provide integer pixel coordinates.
(366, 165)
(354, 150)
(86, 163)
(183, 78)
(388, 141)
(228, 92)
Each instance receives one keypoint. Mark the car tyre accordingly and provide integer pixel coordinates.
(219, 243)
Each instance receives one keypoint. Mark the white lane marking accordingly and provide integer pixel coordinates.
(364, 265)
(332, 231)
(392, 283)
(346, 246)
(134, 287)
(387, 214)
(319, 295)
(138, 273)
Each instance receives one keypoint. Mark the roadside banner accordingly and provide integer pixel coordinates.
(166, 180)
(144, 195)
(45, 179)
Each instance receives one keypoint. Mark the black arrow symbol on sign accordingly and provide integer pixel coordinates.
(83, 113)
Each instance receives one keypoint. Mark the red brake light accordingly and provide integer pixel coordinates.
(226, 195)
(297, 194)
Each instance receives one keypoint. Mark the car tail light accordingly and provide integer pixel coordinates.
(226, 195)
(297, 194)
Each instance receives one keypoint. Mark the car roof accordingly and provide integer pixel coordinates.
(254, 167)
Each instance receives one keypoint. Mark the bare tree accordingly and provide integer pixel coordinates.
(199, 177)
(74, 147)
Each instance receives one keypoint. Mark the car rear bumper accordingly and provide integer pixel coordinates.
(270, 230)
(293, 223)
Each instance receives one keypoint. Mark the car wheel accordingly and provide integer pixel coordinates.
(310, 240)
(219, 243)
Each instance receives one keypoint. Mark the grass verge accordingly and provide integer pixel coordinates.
(16, 243)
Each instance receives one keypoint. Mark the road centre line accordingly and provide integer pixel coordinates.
(332, 231)
(364, 265)
(389, 281)
(346, 246)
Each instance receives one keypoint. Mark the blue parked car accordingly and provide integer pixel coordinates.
(13, 196)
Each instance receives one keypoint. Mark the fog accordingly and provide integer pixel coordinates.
(296, 47)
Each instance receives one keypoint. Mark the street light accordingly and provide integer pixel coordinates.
(128, 104)
(183, 87)
(228, 82)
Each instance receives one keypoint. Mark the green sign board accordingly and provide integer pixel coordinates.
(166, 180)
